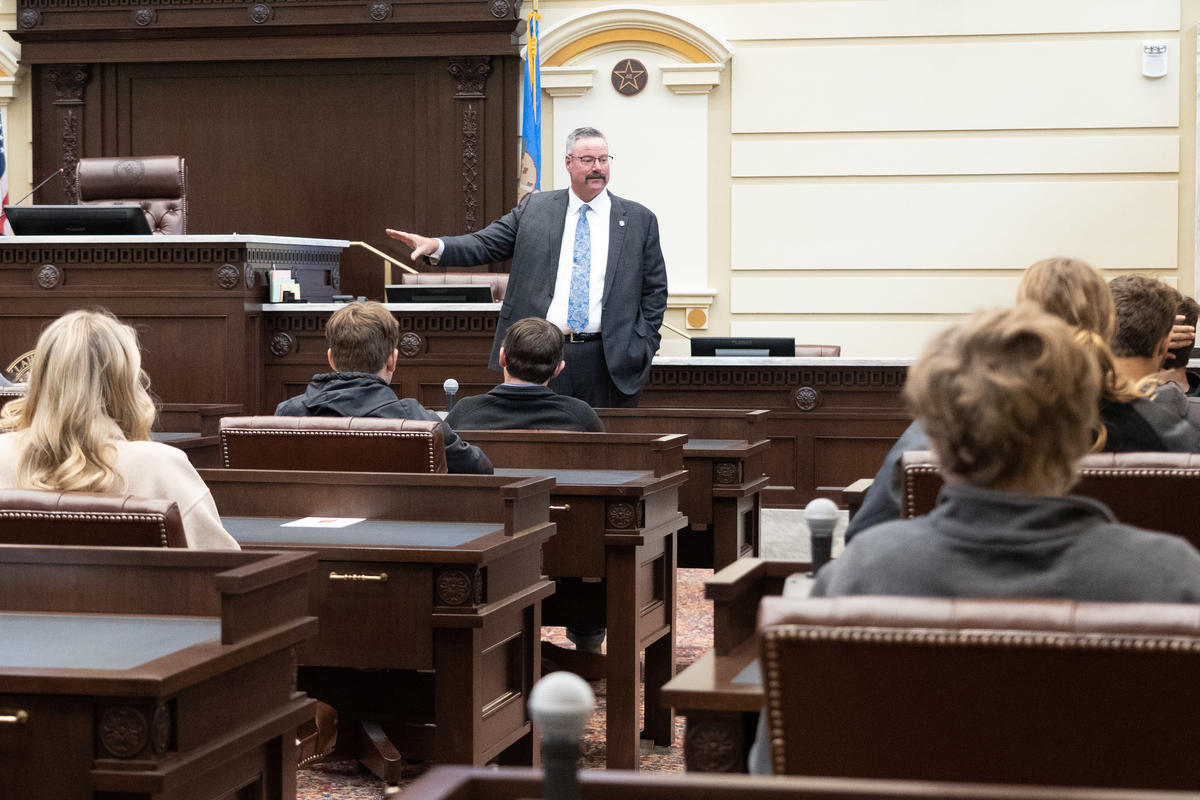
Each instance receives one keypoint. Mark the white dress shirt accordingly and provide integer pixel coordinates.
(598, 217)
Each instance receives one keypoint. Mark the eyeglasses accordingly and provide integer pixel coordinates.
(591, 161)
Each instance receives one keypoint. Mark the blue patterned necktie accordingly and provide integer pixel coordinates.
(581, 274)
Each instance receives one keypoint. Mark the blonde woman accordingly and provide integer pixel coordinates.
(84, 426)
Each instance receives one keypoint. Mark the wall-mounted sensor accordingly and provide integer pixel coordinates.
(1154, 59)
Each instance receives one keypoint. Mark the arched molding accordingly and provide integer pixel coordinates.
(605, 26)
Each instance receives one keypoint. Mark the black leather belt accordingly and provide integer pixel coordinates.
(571, 336)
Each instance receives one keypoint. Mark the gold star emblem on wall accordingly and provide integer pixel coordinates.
(629, 76)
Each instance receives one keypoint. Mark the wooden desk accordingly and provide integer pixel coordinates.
(721, 693)
(440, 591)
(724, 457)
(458, 783)
(616, 502)
(832, 419)
(150, 673)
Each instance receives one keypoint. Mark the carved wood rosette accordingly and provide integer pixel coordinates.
(626, 516)
(458, 587)
(69, 81)
(727, 472)
(470, 75)
(713, 744)
(124, 731)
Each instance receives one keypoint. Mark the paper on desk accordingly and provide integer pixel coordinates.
(322, 522)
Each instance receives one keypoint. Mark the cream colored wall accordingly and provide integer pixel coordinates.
(878, 168)
(18, 115)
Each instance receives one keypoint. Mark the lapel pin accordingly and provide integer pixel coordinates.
(621, 223)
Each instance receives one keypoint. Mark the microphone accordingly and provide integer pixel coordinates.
(450, 387)
(560, 705)
(49, 177)
(821, 516)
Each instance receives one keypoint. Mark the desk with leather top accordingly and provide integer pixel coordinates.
(139, 673)
(616, 541)
(725, 456)
(721, 693)
(438, 592)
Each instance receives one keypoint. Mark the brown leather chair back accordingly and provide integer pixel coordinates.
(818, 350)
(335, 444)
(78, 518)
(1156, 491)
(157, 183)
(8, 393)
(497, 280)
(1010, 691)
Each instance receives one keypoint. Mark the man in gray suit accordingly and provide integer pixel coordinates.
(586, 260)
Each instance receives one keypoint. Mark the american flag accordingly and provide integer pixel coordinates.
(4, 176)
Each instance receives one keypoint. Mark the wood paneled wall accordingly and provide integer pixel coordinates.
(290, 127)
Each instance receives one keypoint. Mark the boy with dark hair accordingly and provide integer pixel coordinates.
(530, 356)
(362, 340)
(1187, 312)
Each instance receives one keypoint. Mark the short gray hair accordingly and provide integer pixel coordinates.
(583, 133)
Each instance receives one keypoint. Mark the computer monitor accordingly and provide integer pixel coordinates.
(77, 220)
(438, 293)
(742, 346)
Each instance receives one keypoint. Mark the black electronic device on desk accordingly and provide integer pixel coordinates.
(76, 220)
(439, 293)
(742, 346)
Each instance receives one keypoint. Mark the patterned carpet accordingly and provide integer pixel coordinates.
(345, 780)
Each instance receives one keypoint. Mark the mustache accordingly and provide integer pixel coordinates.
(595, 175)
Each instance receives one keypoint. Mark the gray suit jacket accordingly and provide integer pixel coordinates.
(635, 282)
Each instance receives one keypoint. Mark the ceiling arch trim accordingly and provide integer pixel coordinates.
(599, 27)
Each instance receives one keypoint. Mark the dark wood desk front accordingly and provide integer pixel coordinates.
(444, 576)
(150, 673)
(721, 694)
(725, 457)
(194, 300)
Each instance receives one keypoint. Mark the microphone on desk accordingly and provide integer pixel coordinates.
(821, 517)
(560, 705)
(450, 387)
(49, 178)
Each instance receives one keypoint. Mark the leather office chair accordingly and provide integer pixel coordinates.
(336, 444)
(79, 518)
(497, 280)
(1049, 692)
(1157, 491)
(818, 350)
(157, 183)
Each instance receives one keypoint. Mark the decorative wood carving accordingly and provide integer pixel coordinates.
(470, 168)
(470, 75)
(713, 745)
(456, 587)
(282, 344)
(422, 324)
(260, 13)
(379, 11)
(124, 731)
(228, 276)
(28, 18)
(725, 472)
(160, 732)
(48, 277)
(69, 81)
(500, 8)
(807, 398)
(143, 16)
(411, 344)
(738, 378)
(622, 515)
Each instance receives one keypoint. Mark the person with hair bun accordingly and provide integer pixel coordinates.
(84, 426)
